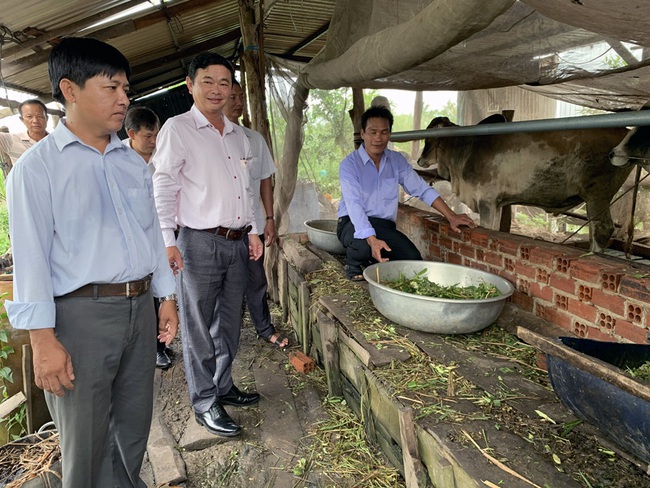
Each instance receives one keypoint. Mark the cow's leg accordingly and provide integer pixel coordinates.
(506, 218)
(601, 225)
(490, 215)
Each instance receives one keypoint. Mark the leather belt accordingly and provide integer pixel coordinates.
(127, 290)
(230, 234)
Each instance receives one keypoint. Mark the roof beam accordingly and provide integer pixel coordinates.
(105, 34)
(11, 53)
(307, 41)
(184, 53)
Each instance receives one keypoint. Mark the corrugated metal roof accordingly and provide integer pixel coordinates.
(159, 42)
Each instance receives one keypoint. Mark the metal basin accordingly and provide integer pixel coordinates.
(322, 234)
(437, 315)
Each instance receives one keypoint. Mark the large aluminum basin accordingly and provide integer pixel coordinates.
(437, 315)
(322, 234)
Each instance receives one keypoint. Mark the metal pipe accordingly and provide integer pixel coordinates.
(621, 119)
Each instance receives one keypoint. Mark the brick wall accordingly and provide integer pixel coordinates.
(595, 297)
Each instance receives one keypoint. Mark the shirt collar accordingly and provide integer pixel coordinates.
(64, 136)
(365, 158)
(202, 121)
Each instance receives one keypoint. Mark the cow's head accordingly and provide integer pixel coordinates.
(634, 148)
(431, 154)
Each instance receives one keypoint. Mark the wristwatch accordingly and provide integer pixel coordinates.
(172, 296)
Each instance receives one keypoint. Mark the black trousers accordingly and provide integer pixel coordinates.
(358, 252)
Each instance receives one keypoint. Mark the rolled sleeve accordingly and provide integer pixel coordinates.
(31, 316)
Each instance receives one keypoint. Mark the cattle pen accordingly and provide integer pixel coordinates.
(441, 438)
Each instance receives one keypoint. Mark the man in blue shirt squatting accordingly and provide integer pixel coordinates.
(88, 258)
(370, 179)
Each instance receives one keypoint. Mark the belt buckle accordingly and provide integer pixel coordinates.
(128, 289)
(227, 236)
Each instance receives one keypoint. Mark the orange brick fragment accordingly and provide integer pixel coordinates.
(302, 362)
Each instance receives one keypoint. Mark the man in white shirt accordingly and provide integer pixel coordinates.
(261, 170)
(33, 113)
(201, 186)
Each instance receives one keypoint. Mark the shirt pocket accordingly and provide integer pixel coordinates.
(254, 168)
(141, 205)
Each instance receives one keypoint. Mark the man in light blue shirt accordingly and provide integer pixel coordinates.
(370, 179)
(88, 258)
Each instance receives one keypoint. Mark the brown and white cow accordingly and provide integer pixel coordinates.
(555, 170)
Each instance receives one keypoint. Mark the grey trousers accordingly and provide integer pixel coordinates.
(256, 301)
(104, 421)
(211, 292)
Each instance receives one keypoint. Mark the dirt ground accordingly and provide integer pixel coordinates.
(268, 451)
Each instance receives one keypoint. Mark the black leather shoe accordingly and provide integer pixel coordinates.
(218, 422)
(237, 398)
(162, 360)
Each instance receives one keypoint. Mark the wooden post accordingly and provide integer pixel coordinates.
(304, 301)
(417, 125)
(252, 57)
(329, 339)
(27, 387)
(358, 107)
(414, 472)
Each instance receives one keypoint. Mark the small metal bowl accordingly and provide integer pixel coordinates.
(437, 315)
(322, 234)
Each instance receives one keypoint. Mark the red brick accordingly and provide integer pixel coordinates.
(585, 293)
(480, 254)
(302, 363)
(605, 320)
(481, 266)
(611, 302)
(493, 244)
(583, 311)
(523, 301)
(509, 246)
(511, 277)
(561, 301)
(634, 288)
(431, 225)
(479, 238)
(525, 270)
(445, 242)
(494, 259)
(561, 283)
(551, 314)
(631, 332)
(454, 258)
(467, 250)
(587, 269)
(541, 291)
(610, 281)
(544, 257)
(601, 335)
(434, 251)
(635, 312)
(509, 265)
(562, 264)
(524, 252)
(580, 329)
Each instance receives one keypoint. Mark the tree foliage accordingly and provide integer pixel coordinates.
(329, 135)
